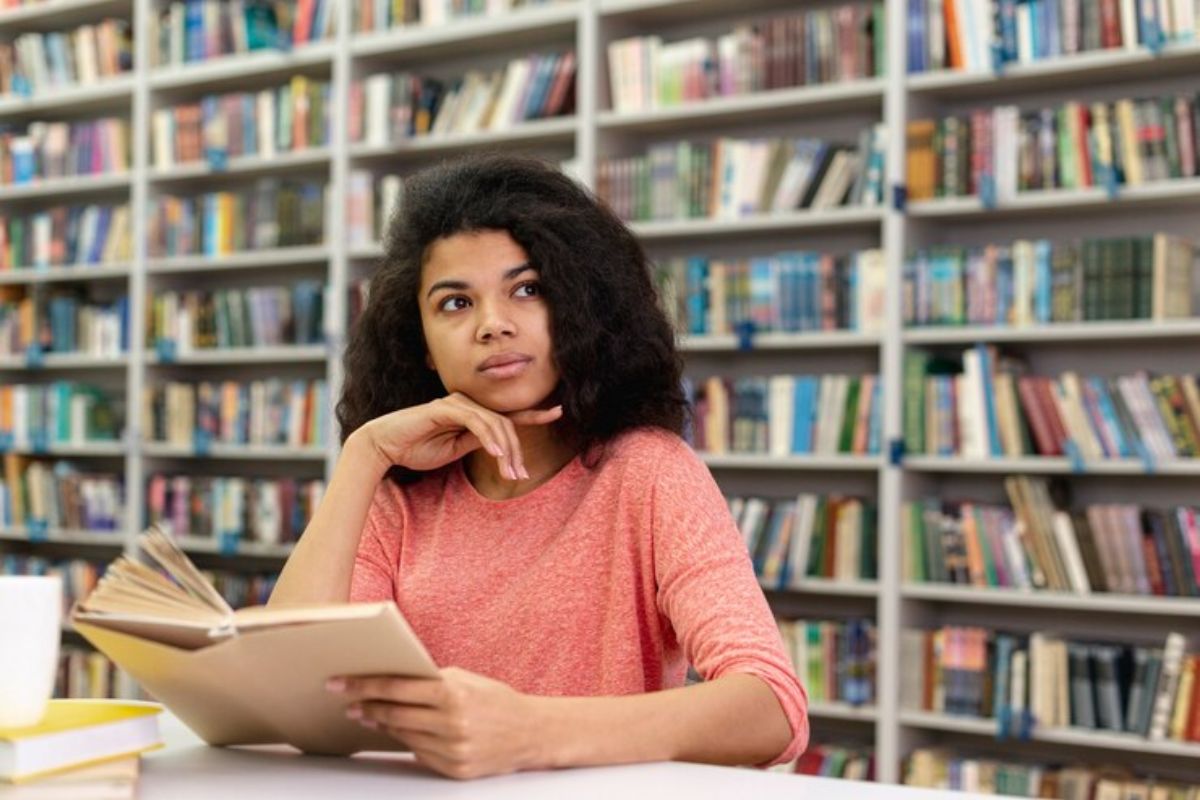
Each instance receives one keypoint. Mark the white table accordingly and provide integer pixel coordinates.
(187, 769)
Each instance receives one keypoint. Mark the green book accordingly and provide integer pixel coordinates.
(846, 439)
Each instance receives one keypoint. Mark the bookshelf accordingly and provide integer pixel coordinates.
(595, 132)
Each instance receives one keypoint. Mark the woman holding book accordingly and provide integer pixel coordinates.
(513, 476)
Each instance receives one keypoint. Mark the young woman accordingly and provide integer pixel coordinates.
(513, 476)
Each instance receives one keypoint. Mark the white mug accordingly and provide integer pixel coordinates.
(30, 628)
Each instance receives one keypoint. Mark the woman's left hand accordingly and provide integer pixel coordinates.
(464, 725)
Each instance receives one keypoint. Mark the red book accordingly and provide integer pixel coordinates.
(1192, 733)
(1043, 434)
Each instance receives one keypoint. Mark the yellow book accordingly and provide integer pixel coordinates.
(74, 733)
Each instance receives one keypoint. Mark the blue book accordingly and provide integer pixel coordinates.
(1007, 14)
(1109, 412)
(989, 399)
(1043, 281)
(875, 427)
(193, 31)
(697, 294)
(805, 408)
(762, 294)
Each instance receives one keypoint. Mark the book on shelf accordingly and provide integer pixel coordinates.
(941, 768)
(36, 416)
(294, 413)
(996, 154)
(38, 151)
(1039, 680)
(270, 213)
(34, 63)
(231, 510)
(382, 15)
(977, 36)
(291, 117)
(789, 292)
(731, 178)
(370, 203)
(1040, 543)
(76, 733)
(39, 320)
(827, 45)
(813, 536)
(1040, 282)
(783, 415)
(199, 30)
(835, 659)
(65, 236)
(59, 496)
(989, 407)
(825, 760)
(183, 643)
(389, 108)
(264, 316)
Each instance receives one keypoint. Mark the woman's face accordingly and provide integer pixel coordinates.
(486, 323)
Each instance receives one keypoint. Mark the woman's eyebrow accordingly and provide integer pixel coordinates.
(456, 285)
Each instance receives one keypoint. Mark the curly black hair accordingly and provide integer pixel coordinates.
(613, 344)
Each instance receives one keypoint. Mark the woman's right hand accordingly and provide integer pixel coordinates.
(434, 434)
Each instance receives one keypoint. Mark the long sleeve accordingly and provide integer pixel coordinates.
(708, 590)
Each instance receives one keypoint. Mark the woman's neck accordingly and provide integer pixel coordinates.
(543, 453)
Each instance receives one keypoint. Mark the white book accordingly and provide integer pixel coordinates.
(265, 101)
(1168, 684)
(806, 511)
(618, 78)
(515, 77)
(1005, 136)
(377, 99)
(1024, 33)
(780, 413)
(975, 441)
(85, 55)
(1068, 548)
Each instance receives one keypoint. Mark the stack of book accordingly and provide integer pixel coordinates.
(380, 15)
(1036, 544)
(34, 63)
(826, 45)
(59, 497)
(287, 118)
(850, 762)
(268, 412)
(65, 236)
(1041, 681)
(835, 660)
(813, 536)
(1037, 282)
(989, 408)
(260, 510)
(369, 206)
(197, 30)
(37, 416)
(728, 178)
(255, 317)
(997, 153)
(785, 292)
(390, 107)
(271, 213)
(61, 321)
(784, 415)
(39, 151)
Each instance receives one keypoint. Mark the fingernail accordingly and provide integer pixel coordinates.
(335, 685)
(524, 473)
(353, 712)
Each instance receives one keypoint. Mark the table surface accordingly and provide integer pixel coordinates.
(187, 769)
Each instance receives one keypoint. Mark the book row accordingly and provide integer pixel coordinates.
(65, 236)
(785, 415)
(45, 497)
(295, 413)
(230, 510)
(33, 63)
(39, 322)
(939, 768)
(784, 292)
(730, 178)
(1037, 281)
(826, 45)
(270, 213)
(370, 202)
(1040, 543)
(380, 15)
(39, 151)
(34, 417)
(853, 763)
(390, 107)
(835, 660)
(813, 536)
(187, 31)
(287, 118)
(1041, 681)
(986, 406)
(987, 35)
(183, 322)
(999, 152)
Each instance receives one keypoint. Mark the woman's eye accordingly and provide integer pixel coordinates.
(529, 289)
(453, 303)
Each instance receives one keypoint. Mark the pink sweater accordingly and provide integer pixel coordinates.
(601, 581)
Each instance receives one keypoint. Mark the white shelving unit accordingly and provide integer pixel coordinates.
(592, 133)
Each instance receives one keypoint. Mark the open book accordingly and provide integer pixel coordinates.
(252, 676)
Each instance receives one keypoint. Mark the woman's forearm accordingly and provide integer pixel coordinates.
(320, 566)
(732, 720)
